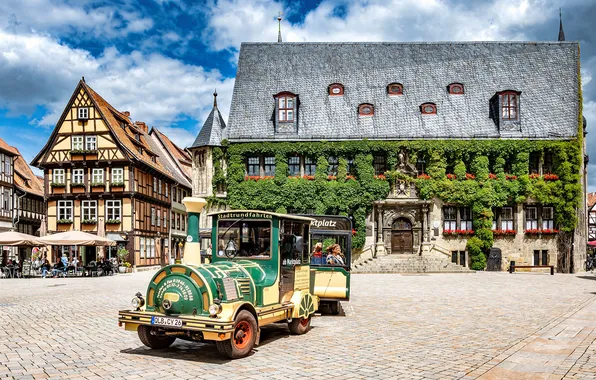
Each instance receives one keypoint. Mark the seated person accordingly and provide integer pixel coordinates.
(334, 256)
(58, 267)
(317, 254)
(45, 267)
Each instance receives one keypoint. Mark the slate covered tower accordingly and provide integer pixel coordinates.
(203, 165)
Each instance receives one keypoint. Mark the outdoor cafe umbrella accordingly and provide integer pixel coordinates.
(14, 238)
(592, 243)
(76, 238)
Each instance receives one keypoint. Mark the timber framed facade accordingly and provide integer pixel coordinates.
(102, 175)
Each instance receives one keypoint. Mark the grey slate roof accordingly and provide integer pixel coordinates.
(211, 133)
(546, 73)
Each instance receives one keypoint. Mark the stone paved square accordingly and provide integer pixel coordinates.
(439, 326)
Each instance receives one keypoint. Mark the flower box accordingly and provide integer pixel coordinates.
(423, 176)
(550, 177)
(73, 185)
(331, 177)
(381, 176)
(470, 176)
(458, 232)
(64, 221)
(492, 176)
(534, 176)
(541, 232)
(117, 184)
(350, 177)
(257, 178)
(56, 184)
(113, 221)
(510, 177)
(97, 184)
(89, 221)
(504, 232)
(451, 176)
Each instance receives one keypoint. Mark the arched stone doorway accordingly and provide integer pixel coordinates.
(401, 237)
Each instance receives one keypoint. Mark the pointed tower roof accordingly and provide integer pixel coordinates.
(211, 133)
(561, 32)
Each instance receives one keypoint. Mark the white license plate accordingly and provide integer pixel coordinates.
(165, 321)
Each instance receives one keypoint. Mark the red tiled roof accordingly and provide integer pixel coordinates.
(183, 157)
(591, 199)
(24, 177)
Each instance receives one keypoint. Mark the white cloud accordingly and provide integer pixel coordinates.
(234, 21)
(76, 18)
(154, 88)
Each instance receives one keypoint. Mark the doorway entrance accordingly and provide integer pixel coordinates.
(401, 237)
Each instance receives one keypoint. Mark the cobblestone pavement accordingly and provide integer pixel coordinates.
(440, 326)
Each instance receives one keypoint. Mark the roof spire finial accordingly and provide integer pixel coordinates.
(83, 80)
(561, 32)
(279, 27)
(215, 99)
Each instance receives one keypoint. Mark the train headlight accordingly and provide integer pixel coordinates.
(214, 309)
(138, 301)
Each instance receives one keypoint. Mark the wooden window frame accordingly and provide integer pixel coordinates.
(248, 167)
(452, 86)
(380, 162)
(452, 220)
(391, 89)
(423, 110)
(363, 106)
(88, 140)
(334, 86)
(310, 165)
(269, 166)
(284, 108)
(506, 106)
(79, 144)
(293, 165)
(333, 162)
(58, 174)
(88, 206)
(75, 175)
(94, 175)
(111, 207)
(117, 178)
(468, 221)
(62, 207)
(83, 113)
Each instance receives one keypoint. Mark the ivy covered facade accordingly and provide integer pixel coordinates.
(457, 149)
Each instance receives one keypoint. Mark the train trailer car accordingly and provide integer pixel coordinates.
(259, 274)
(330, 278)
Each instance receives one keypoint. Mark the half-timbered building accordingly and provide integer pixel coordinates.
(102, 175)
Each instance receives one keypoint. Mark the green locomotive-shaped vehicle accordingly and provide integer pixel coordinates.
(259, 275)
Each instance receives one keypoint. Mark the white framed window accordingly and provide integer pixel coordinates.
(465, 218)
(8, 166)
(142, 247)
(90, 142)
(548, 218)
(117, 175)
(531, 218)
(97, 175)
(167, 187)
(113, 210)
(450, 218)
(158, 218)
(159, 191)
(165, 220)
(154, 184)
(89, 209)
(78, 175)
(153, 216)
(507, 218)
(83, 113)
(7, 204)
(77, 142)
(58, 175)
(64, 210)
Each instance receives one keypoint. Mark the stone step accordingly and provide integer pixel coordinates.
(409, 264)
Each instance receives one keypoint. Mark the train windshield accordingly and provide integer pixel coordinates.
(244, 239)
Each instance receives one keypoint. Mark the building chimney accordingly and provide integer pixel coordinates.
(142, 126)
(126, 113)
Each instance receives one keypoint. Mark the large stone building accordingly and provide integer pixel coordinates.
(433, 149)
(103, 174)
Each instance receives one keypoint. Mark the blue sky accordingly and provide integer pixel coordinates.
(162, 59)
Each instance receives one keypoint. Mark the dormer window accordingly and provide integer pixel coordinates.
(286, 105)
(336, 89)
(395, 89)
(366, 109)
(455, 89)
(83, 113)
(509, 105)
(428, 109)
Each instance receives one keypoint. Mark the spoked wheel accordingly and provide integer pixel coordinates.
(243, 338)
(154, 341)
(299, 326)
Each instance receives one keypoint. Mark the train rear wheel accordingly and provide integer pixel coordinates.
(154, 341)
(243, 338)
(299, 326)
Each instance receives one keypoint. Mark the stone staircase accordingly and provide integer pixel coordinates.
(410, 264)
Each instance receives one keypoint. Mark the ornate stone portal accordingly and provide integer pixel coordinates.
(402, 220)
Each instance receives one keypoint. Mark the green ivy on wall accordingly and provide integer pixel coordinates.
(476, 168)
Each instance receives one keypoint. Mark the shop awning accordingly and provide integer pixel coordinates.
(115, 237)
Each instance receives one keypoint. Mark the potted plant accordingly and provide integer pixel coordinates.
(122, 257)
